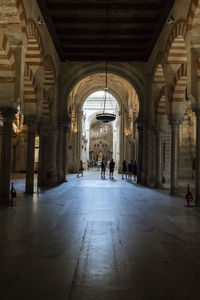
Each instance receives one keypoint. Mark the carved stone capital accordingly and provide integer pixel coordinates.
(159, 131)
(8, 112)
(196, 108)
(175, 121)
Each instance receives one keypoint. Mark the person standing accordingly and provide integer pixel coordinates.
(124, 169)
(134, 171)
(111, 168)
(80, 169)
(103, 169)
(130, 170)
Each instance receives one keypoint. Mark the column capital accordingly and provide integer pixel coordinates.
(196, 108)
(8, 112)
(175, 120)
(159, 131)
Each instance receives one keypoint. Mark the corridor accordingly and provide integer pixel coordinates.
(93, 239)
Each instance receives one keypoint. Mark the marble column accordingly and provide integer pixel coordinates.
(197, 164)
(30, 156)
(43, 157)
(142, 152)
(64, 154)
(60, 153)
(158, 158)
(5, 168)
(53, 156)
(141, 156)
(175, 126)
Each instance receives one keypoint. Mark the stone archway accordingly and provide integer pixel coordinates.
(128, 109)
(129, 73)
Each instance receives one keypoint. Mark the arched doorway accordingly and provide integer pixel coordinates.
(125, 106)
(99, 139)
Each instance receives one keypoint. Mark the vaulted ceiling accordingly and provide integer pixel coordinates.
(112, 30)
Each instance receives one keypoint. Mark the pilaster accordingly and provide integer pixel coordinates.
(197, 162)
(5, 166)
(53, 156)
(31, 123)
(142, 158)
(159, 136)
(175, 122)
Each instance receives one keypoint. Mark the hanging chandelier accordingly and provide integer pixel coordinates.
(105, 117)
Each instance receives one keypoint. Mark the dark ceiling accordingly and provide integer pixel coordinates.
(99, 30)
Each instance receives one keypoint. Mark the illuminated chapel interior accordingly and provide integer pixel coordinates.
(48, 113)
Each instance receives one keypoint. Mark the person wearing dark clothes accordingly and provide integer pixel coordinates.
(124, 169)
(130, 170)
(80, 169)
(134, 171)
(103, 169)
(111, 168)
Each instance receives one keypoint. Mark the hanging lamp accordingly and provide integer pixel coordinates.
(105, 117)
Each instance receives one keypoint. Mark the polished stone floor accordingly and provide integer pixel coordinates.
(93, 239)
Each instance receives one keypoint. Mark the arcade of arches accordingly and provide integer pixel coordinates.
(89, 237)
(42, 98)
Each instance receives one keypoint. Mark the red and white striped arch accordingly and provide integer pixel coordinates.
(194, 21)
(7, 61)
(180, 83)
(29, 86)
(34, 52)
(22, 15)
(176, 49)
(193, 13)
(46, 113)
(49, 82)
(159, 76)
(161, 102)
(50, 72)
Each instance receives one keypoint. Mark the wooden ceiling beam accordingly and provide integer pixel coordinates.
(82, 50)
(123, 6)
(103, 21)
(118, 31)
(111, 41)
(82, 31)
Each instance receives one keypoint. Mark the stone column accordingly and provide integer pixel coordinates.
(158, 158)
(175, 126)
(197, 164)
(8, 115)
(53, 156)
(64, 154)
(43, 157)
(30, 156)
(140, 152)
(60, 153)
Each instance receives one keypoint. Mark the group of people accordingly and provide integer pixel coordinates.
(127, 170)
(111, 168)
(130, 170)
